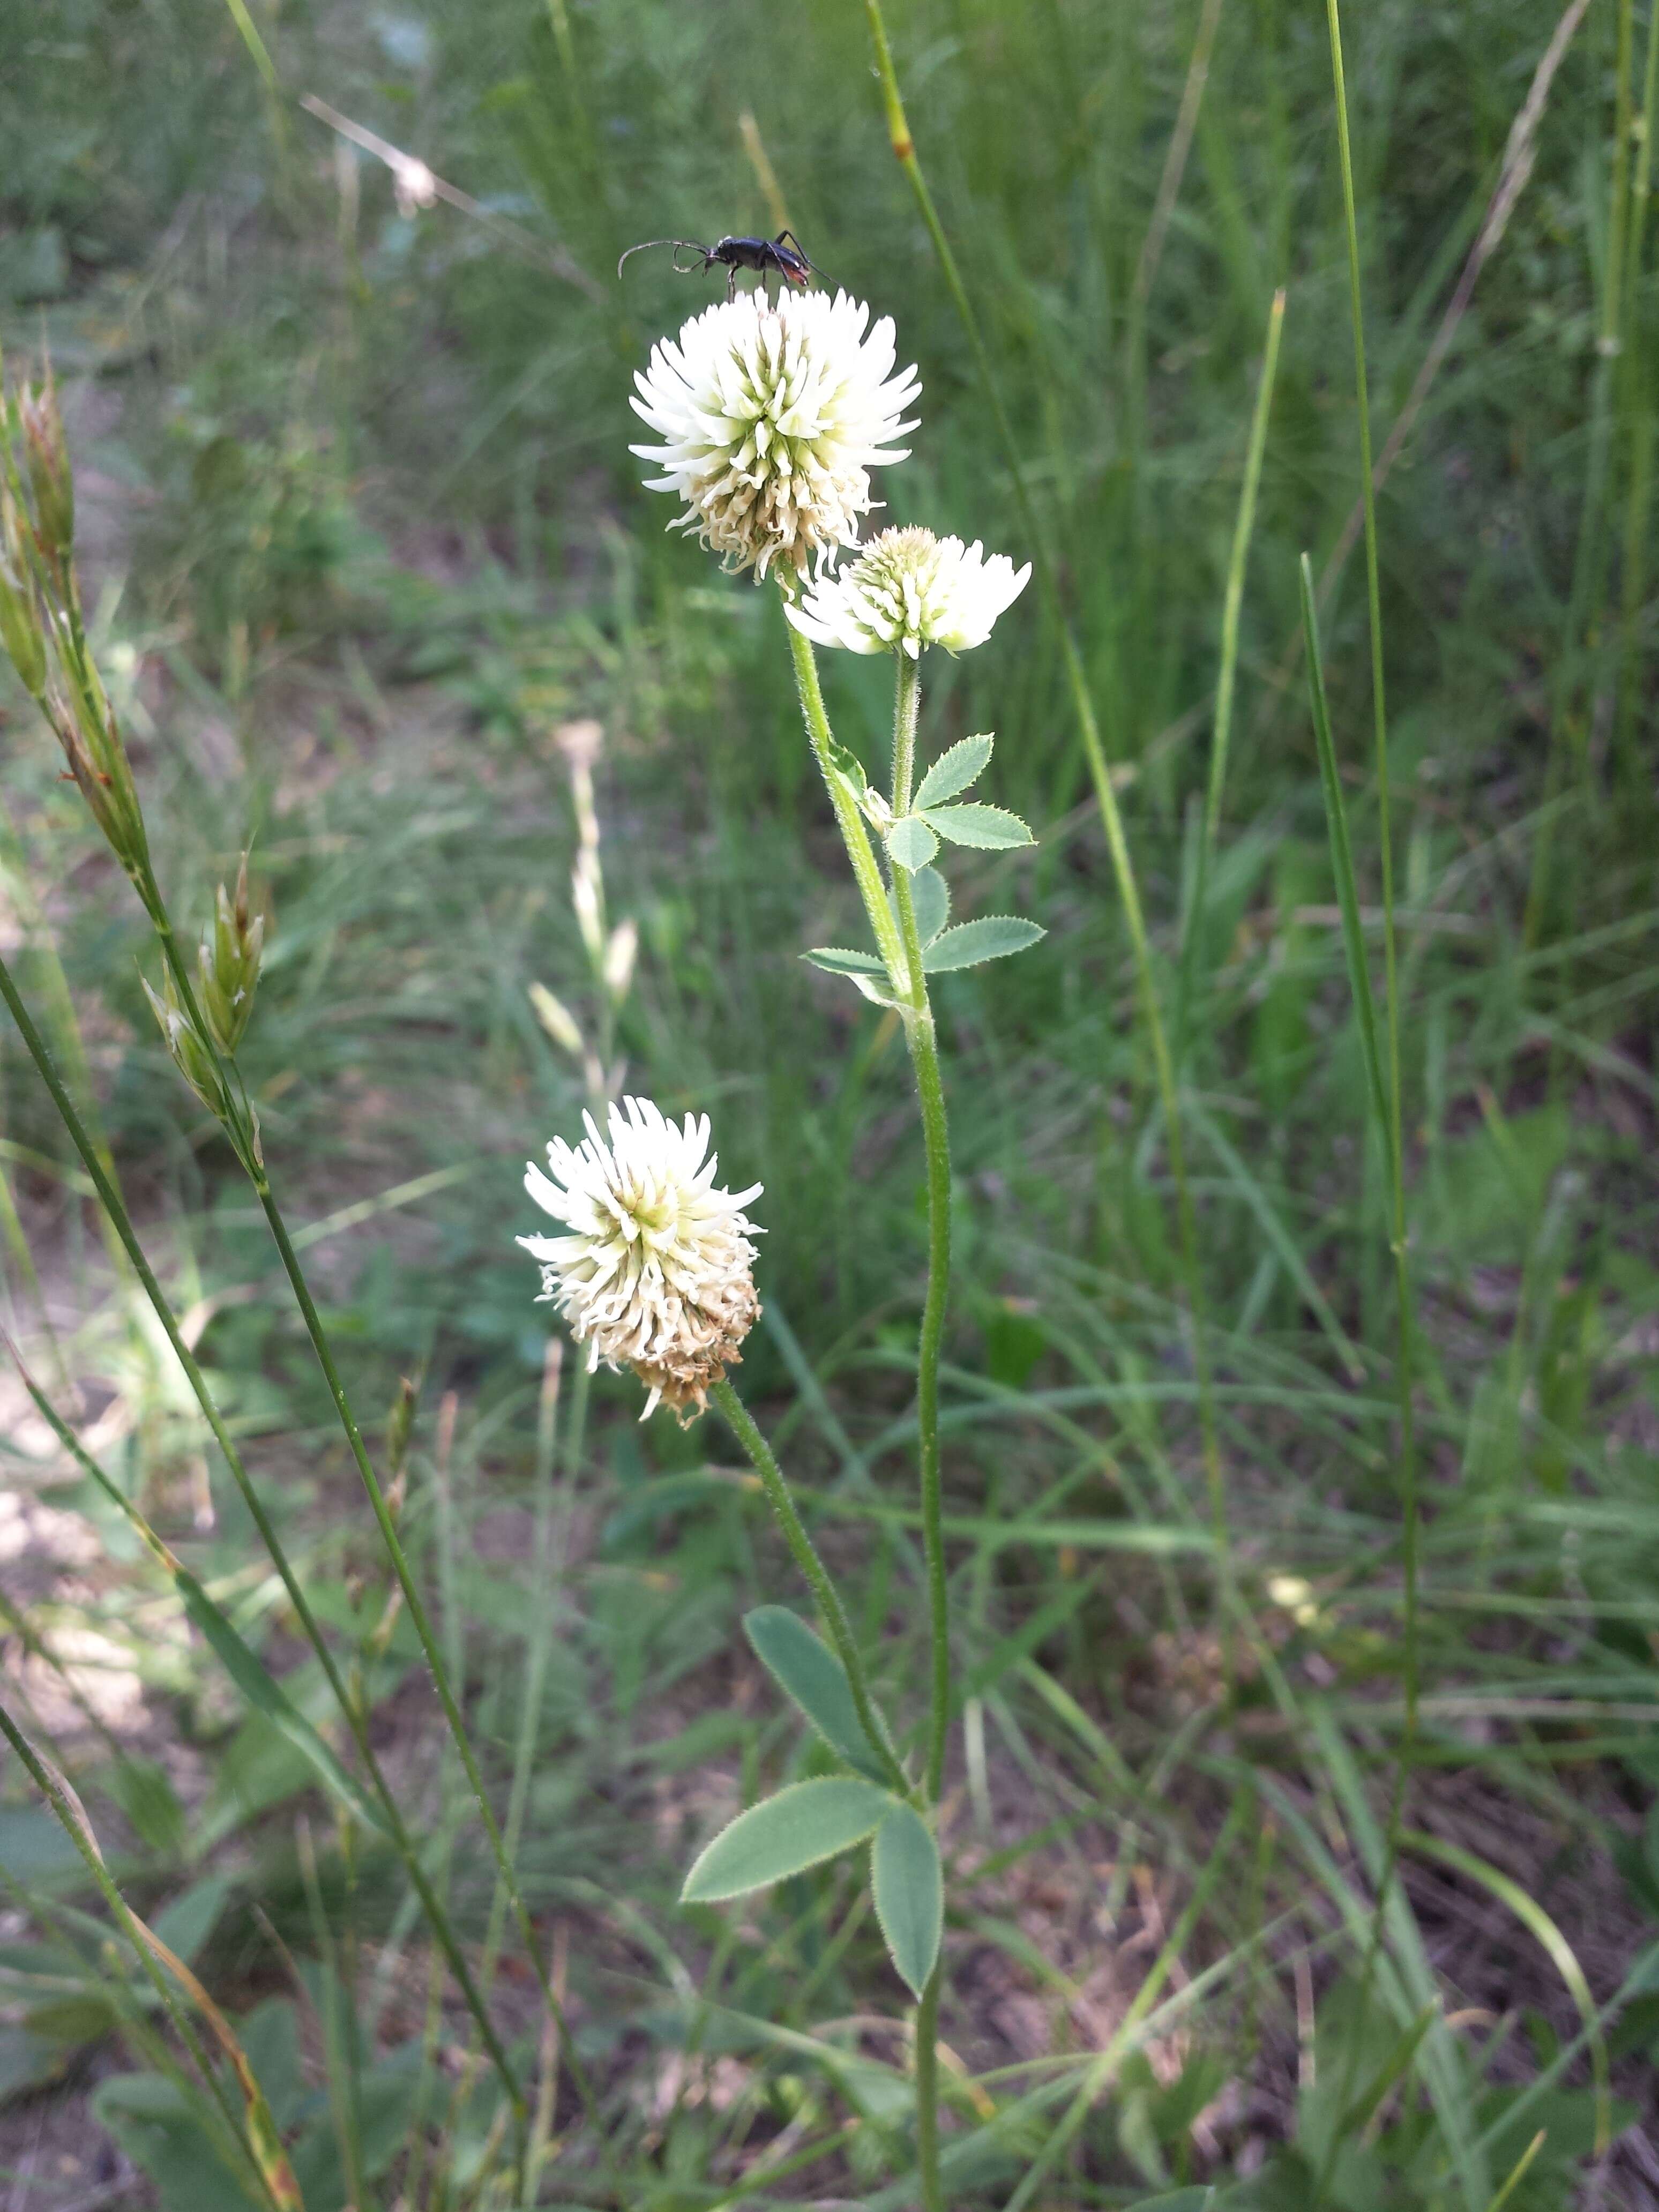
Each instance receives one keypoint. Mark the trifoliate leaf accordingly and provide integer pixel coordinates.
(807, 1670)
(953, 771)
(783, 1835)
(909, 1891)
(912, 843)
(992, 828)
(972, 943)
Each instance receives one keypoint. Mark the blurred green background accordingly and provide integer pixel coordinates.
(363, 536)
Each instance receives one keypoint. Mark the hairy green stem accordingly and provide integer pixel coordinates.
(803, 1553)
(922, 1039)
(116, 1211)
(866, 871)
(932, 2187)
(894, 926)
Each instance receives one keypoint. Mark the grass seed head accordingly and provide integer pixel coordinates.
(228, 964)
(20, 608)
(189, 1053)
(46, 453)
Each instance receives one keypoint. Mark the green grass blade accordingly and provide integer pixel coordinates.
(1538, 1924)
(1395, 1923)
(1226, 682)
(252, 2131)
(1348, 888)
(243, 1664)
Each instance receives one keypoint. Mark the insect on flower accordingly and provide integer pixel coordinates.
(765, 257)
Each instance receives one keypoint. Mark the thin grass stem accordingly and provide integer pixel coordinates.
(1639, 386)
(277, 2189)
(332, 2017)
(241, 1130)
(541, 1641)
(1393, 1126)
(1575, 654)
(111, 1200)
(1384, 1070)
(1128, 892)
(1227, 678)
(428, 1641)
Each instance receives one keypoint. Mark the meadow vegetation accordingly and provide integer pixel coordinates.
(1300, 1476)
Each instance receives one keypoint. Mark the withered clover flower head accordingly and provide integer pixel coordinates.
(771, 414)
(655, 1273)
(909, 589)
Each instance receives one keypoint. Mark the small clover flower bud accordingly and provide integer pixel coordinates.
(773, 414)
(909, 589)
(655, 1273)
(228, 964)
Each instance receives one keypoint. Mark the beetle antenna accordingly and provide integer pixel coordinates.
(678, 244)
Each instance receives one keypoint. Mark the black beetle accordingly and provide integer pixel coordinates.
(767, 257)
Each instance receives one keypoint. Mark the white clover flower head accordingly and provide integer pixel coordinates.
(655, 1271)
(773, 414)
(909, 589)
